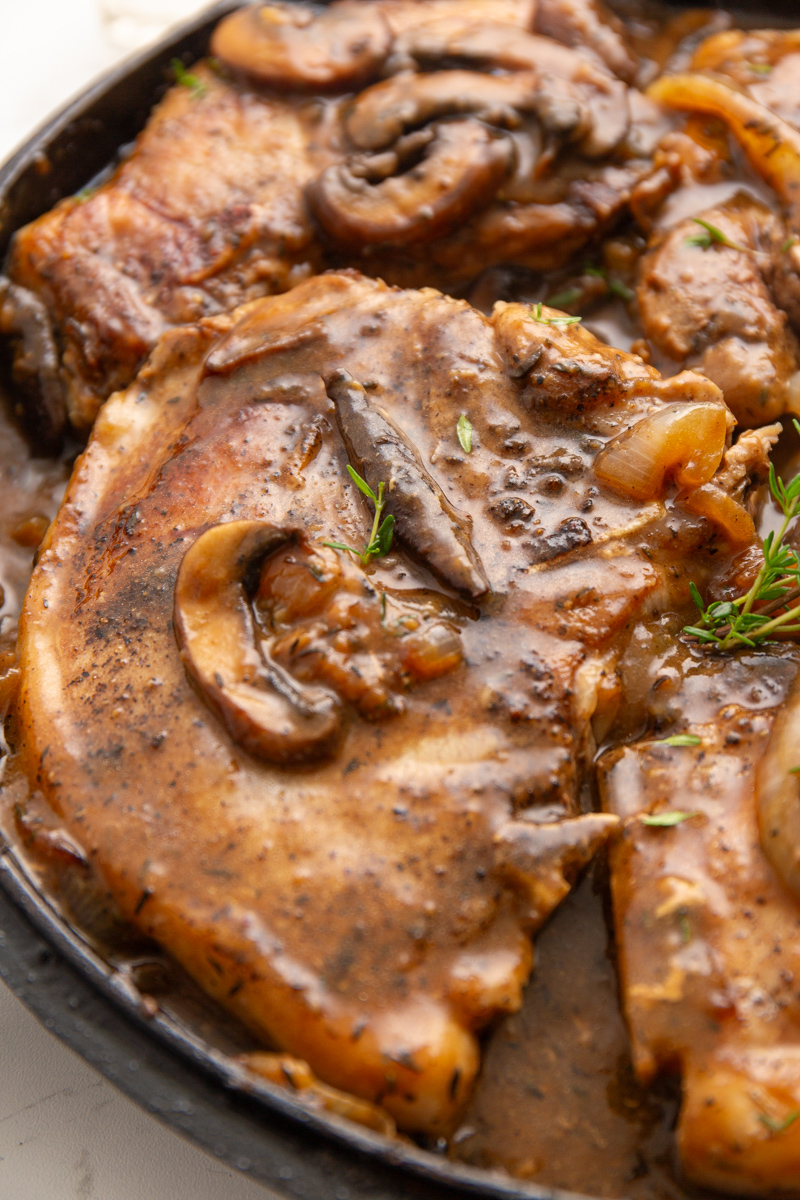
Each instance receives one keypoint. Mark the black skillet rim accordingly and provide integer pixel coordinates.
(257, 1128)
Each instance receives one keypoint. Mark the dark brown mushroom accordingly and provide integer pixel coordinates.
(424, 520)
(382, 113)
(296, 46)
(361, 203)
(264, 709)
(588, 24)
(602, 97)
(25, 321)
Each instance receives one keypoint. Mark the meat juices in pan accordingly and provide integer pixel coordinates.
(253, 719)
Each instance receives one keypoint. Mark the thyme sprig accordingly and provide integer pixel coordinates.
(464, 428)
(557, 322)
(708, 234)
(379, 542)
(570, 295)
(776, 1127)
(768, 607)
(668, 819)
(187, 79)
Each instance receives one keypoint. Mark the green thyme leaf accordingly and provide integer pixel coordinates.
(385, 536)
(711, 233)
(770, 606)
(558, 322)
(681, 739)
(794, 770)
(776, 1127)
(464, 431)
(618, 288)
(362, 484)
(563, 299)
(187, 79)
(665, 820)
(702, 635)
(787, 245)
(379, 542)
(761, 68)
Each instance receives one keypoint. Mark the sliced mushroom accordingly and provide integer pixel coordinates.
(263, 708)
(603, 98)
(424, 520)
(386, 110)
(588, 24)
(541, 861)
(778, 795)
(297, 46)
(463, 166)
(24, 319)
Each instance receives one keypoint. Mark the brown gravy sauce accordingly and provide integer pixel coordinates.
(557, 1102)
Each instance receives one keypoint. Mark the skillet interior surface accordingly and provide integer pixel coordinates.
(178, 1078)
(175, 1075)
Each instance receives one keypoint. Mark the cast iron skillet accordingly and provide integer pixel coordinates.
(257, 1128)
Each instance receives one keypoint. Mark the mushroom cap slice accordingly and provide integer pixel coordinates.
(383, 112)
(494, 44)
(295, 46)
(462, 168)
(264, 709)
(424, 519)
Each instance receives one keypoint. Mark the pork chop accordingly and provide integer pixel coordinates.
(344, 787)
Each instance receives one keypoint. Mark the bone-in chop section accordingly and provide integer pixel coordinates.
(419, 140)
(257, 735)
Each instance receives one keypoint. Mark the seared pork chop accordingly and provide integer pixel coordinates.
(343, 788)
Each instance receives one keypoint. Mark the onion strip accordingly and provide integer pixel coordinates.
(772, 146)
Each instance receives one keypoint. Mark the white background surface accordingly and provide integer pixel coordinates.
(65, 1133)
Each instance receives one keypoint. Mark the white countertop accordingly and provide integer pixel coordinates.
(65, 1132)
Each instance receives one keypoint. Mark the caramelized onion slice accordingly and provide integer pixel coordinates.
(462, 169)
(771, 145)
(778, 795)
(298, 47)
(682, 441)
(719, 507)
(264, 709)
